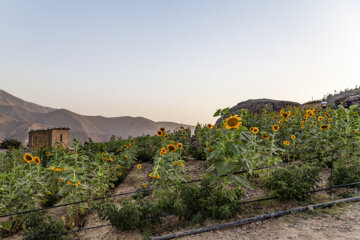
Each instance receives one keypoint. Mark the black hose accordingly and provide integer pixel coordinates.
(256, 219)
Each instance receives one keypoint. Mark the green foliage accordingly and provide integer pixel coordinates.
(293, 182)
(36, 226)
(346, 172)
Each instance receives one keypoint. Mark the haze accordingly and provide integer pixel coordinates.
(176, 60)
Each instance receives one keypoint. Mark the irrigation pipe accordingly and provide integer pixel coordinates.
(156, 188)
(256, 219)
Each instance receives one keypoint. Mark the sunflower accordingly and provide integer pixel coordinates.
(179, 145)
(171, 147)
(287, 143)
(302, 126)
(60, 180)
(209, 126)
(53, 168)
(293, 137)
(302, 122)
(163, 151)
(178, 163)
(119, 174)
(327, 114)
(47, 154)
(329, 120)
(254, 130)
(355, 130)
(159, 133)
(155, 175)
(165, 135)
(324, 127)
(162, 129)
(28, 157)
(139, 166)
(172, 142)
(315, 123)
(276, 127)
(265, 136)
(37, 160)
(280, 121)
(233, 122)
(118, 166)
(320, 118)
(306, 116)
(144, 185)
(285, 115)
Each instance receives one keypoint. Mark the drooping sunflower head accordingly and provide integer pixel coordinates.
(276, 127)
(254, 130)
(179, 145)
(37, 160)
(324, 127)
(171, 147)
(233, 122)
(28, 157)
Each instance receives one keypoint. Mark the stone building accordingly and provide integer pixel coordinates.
(48, 137)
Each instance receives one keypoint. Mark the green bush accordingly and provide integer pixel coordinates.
(37, 226)
(346, 172)
(293, 182)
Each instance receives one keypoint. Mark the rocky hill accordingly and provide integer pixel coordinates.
(18, 116)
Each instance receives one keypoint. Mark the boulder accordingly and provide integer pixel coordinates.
(256, 106)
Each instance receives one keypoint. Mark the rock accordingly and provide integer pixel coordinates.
(256, 106)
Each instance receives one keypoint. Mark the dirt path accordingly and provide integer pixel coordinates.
(340, 222)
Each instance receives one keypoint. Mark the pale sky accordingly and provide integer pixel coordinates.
(177, 60)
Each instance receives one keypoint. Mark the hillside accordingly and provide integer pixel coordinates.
(18, 116)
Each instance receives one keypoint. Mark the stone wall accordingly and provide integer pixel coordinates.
(39, 139)
(60, 135)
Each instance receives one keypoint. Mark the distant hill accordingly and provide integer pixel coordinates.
(18, 116)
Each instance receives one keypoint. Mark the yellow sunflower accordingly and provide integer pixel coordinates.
(302, 122)
(293, 137)
(60, 180)
(276, 127)
(171, 147)
(254, 130)
(154, 175)
(324, 127)
(287, 143)
(179, 145)
(162, 129)
(37, 160)
(329, 120)
(28, 157)
(159, 133)
(315, 123)
(209, 126)
(139, 166)
(265, 136)
(47, 154)
(233, 122)
(320, 118)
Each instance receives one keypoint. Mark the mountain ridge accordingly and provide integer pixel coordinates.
(17, 117)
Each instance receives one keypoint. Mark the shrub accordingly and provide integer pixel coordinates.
(37, 226)
(293, 182)
(346, 173)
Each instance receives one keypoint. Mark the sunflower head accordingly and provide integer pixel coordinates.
(159, 133)
(28, 157)
(287, 143)
(315, 123)
(162, 129)
(179, 145)
(37, 160)
(320, 118)
(233, 122)
(139, 166)
(171, 147)
(329, 120)
(209, 125)
(47, 153)
(276, 127)
(293, 137)
(285, 114)
(254, 130)
(265, 136)
(324, 127)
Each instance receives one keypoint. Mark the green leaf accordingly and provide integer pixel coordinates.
(233, 148)
(217, 113)
(223, 168)
(353, 107)
(240, 181)
(213, 155)
(6, 225)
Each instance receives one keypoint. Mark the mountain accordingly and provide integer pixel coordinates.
(17, 117)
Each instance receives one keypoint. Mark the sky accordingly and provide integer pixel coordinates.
(176, 60)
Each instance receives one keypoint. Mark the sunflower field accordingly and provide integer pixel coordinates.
(236, 153)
